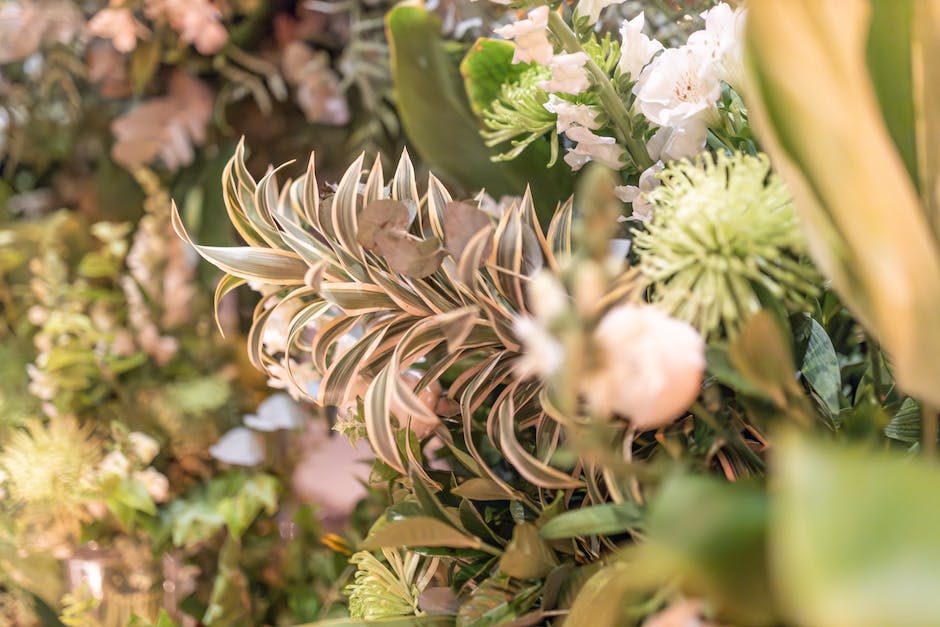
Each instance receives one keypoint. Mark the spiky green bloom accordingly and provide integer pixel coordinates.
(388, 590)
(723, 232)
(518, 114)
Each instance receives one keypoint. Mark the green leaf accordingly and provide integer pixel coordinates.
(420, 531)
(258, 493)
(229, 604)
(440, 124)
(402, 621)
(889, 62)
(821, 367)
(762, 355)
(854, 536)
(486, 68)
(905, 425)
(606, 519)
(528, 556)
(497, 601)
(482, 489)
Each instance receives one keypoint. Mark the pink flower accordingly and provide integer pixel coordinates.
(652, 366)
(531, 36)
(119, 26)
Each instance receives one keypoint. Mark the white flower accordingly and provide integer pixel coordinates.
(568, 74)
(722, 40)
(592, 8)
(542, 354)
(278, 411)
(652, 366)
(681, 85)
(114, 463)
(642, 208)
(239, 447)
(158, 486)
(637, 50)
(547, 299)
(591, 147)
(680, 142)
(531, 36)
(571, 114)
(144, 447)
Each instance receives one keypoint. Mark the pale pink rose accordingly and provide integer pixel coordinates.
(651, 366)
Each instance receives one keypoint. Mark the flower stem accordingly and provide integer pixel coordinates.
(929, 430)
(613, 105)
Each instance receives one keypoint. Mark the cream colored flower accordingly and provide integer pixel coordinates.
(651, 366)
(592, 147)
(542, 355)
(591, 9)
(114, 463)
(531, 37)
(636, 50)
(571, 114)
(144, 447)
(569, 75)
(681, 84)
(722, 40)
(156, 483)
(635, 195)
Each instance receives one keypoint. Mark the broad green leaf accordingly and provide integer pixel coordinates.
(821, 367)
(889, 61)
(811, 81)
(482, 489)
(486, 68)
(762, 355)
(497, 601)
(257, 494)
(527, 556)
(606, 519)
(905, 425)
(403, 621)
(440, 124)
(853, 536)
(420, 531)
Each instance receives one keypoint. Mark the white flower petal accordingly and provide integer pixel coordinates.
(239, 447)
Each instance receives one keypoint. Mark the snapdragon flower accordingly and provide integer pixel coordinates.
(569, 75)
(571, 114)
(531, 37)
(636, 194)
(593, 147)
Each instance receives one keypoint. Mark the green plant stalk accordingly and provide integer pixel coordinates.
(613, 105)
(929, 430)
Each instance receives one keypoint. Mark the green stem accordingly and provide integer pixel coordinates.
(613, 105)
(929, 430)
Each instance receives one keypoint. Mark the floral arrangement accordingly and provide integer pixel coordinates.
(638, 329)
(660, 401)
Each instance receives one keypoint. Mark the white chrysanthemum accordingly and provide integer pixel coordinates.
(723, 232)
(388, 590)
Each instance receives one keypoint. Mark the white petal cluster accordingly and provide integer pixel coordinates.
(531, 37)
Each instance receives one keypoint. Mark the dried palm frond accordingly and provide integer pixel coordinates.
(430, 281)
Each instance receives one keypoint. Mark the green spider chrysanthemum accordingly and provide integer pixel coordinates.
(723, 232)
(388, 590)
(518, 114)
